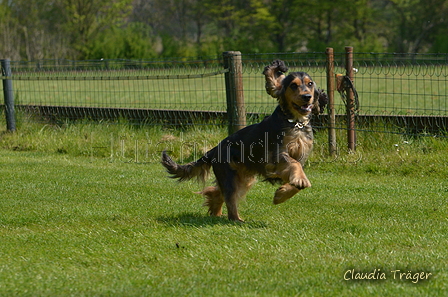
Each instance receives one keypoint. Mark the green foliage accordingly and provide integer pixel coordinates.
(87, 29)
(130, 42)
(440, 44)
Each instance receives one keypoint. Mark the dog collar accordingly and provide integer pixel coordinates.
(298, 124)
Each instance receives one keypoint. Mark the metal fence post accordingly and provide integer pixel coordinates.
(350, 109)
(331, 110)
(236, 112)
(9, 95)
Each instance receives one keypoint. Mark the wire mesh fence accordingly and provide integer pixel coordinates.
(402, 93)
(120, 84)
(397, 93)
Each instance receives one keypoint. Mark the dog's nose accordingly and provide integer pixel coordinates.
(306, 97)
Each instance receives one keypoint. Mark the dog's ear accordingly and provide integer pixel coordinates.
(274, 74)
(320, 101)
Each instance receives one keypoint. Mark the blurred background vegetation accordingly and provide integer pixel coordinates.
(148, 29)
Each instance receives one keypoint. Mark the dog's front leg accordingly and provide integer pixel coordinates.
(285, 192)
(295, 179)
(291, 173)
(297, 176)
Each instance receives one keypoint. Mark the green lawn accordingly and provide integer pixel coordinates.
(75, 222)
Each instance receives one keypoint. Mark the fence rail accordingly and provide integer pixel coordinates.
(397, 93)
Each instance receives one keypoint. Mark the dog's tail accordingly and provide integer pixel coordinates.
(274, 74)
(199, 169)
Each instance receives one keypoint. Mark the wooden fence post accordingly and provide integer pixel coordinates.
(331, 111)
(236, 112)
(350, 109)
(9, 95)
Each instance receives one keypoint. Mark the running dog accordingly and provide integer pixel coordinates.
(275, 148)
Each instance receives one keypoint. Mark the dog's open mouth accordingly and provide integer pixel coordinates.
(303, 108)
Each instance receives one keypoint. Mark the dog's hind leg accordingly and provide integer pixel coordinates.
(213, 200)
(234, 186)
(242, 184)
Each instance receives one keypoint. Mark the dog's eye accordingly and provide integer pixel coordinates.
(293, 86)
(310, 84)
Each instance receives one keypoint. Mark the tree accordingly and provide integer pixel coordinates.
(81, 29)
(9, 28)
(417, 23)
(37, 33)
(85, 19)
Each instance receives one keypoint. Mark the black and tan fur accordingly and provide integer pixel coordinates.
(275, 148)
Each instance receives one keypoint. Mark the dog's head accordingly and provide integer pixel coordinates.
(297, 96)
(296, 93)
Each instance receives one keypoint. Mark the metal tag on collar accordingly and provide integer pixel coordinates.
(298, 125)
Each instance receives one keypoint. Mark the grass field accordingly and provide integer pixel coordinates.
(83, 214)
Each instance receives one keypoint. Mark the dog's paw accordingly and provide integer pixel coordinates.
(285, 192)
(277, 67)
(235, 219)
(300, 182)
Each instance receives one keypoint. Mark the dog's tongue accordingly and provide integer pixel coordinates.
(306, 107)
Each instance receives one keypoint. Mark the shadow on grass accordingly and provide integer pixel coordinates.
(200, 220)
